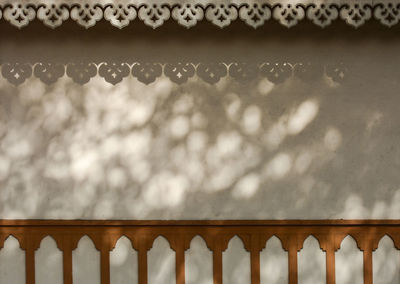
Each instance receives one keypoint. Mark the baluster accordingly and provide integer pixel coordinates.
(142, 248)
(364, 242)
(329, 244)
(217, 260)
(330, 260)
(30, 259)
(255, 247)
(255, 266)
(67, 259)
(178, 245)
(105, 260)
(367, 253)
(292, 248)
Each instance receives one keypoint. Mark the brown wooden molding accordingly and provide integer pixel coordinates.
(219, 223)
(216, 234)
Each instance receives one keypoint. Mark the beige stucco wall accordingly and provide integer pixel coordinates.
(309, 147)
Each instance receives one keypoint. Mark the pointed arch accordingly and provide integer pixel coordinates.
(274, 262)
(86, 262)
(49, 262)
(123, 262)
(236, 262)
(349, 262)
(311, 262)
(12, 259)
(386, 266)
(161, 262)
(198, 262)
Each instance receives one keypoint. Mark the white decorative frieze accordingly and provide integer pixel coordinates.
(19, 15)
(86, 15)
(221, 15)
(255, 15)
(288, 14)
(119, 15)
(188, 13)
(322, 14)
(154, 15)
(52, 15)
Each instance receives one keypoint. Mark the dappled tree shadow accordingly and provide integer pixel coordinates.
(258, 150)
(320, 143)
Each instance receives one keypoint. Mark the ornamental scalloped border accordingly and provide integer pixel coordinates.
(179, 73)
(353, 12)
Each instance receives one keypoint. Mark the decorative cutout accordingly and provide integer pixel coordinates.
(81, 72)
(188, 15)
(387, 13)
(114, 73)
(49, 73)
(154, 15)
(120, 14)
(255, 15)
(146, 72)
(19, 15)
(52, 15)
(221, 15)
(288, 14)
(179, 73)
(16, 73)
(211, 72)
(322, 14)
(276, 73)
(355, 14)
(86, 15)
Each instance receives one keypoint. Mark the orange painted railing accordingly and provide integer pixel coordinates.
(254, 234)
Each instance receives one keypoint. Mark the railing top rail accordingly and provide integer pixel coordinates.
(219, 223)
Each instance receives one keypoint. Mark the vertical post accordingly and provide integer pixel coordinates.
(67, 260)
(142, 255)
(105, 265)
(217, 262)
(30, 261)
(293, 261)
(255, 266)
(367, 265)
(330, 265)
(180, 263)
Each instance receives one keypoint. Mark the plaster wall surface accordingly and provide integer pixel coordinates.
(310, 147)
